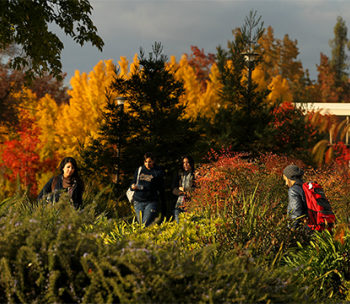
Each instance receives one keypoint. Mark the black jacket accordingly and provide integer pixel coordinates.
(153, 186)
(77, 193)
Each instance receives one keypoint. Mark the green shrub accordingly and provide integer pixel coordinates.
(189, 234)
(41, 250)
(324, 264)
(253, 223)
(48, 255)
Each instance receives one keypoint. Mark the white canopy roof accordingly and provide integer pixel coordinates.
(339, 109)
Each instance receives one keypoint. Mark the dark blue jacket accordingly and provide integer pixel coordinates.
(153, 186)
(77, 193)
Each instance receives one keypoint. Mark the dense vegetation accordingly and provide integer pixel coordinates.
(234, 244)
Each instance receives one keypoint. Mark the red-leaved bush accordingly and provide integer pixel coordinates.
(20, 156)
(231, 175)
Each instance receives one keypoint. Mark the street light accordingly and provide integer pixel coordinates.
(249, 58)
(120, 101)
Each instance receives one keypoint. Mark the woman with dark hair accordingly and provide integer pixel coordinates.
(183, 184)
(68, 181)
(148, 184)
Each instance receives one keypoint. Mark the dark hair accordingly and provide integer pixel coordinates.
(75, 175)
(149, 155)
(190, 160)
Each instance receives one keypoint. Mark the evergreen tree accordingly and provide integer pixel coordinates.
(247, 112)
(153, 121)
(340, 60)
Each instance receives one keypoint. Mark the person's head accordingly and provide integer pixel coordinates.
(187, 163)
(69, 167)
(149, 160)
(292, 173)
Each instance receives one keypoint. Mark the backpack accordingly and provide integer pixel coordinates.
(320, 211)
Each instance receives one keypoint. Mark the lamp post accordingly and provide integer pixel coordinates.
(249, 58)
(120, 101)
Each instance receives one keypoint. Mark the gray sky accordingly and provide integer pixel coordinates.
(125, 26)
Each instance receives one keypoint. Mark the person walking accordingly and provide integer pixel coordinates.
(148, 190)
(297, 207)
(183, 185)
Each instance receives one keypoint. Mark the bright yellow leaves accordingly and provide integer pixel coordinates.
(198, 102)
(80, 119)
(280, 90)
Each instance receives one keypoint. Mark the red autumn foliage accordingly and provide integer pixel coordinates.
(20, 156)
(220, 179)
(232, 176)
(343, 154)
(201, 64)
(292, 130)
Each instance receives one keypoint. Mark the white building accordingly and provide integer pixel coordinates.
(338, 109)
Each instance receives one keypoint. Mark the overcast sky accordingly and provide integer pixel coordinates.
(125, 26)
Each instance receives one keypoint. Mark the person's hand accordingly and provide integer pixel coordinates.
(134, 187)
(181, 189)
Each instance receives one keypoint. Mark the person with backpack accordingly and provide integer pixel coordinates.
(307, 200)
(68, 181)
(297, 206)
(148, 184)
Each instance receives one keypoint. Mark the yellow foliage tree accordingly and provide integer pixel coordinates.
(80, 119)
(198, 102)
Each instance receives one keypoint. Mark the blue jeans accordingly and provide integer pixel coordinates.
(148, 211)
(176, 212)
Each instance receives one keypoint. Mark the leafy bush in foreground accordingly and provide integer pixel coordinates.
(189, 234)
(324, 264)
(48, 256)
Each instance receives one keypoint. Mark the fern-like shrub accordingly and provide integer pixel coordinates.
(324, 264)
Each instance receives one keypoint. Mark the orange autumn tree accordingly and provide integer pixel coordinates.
(326, 88)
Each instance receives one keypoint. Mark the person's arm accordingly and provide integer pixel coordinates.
(46, 189)
(133, 186)
(175, 186)
(295, 206)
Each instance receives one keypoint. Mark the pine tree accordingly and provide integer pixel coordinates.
(340, 60)
(248, 111)
(153, 120)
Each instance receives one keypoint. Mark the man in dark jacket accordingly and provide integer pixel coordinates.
(297, 207)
